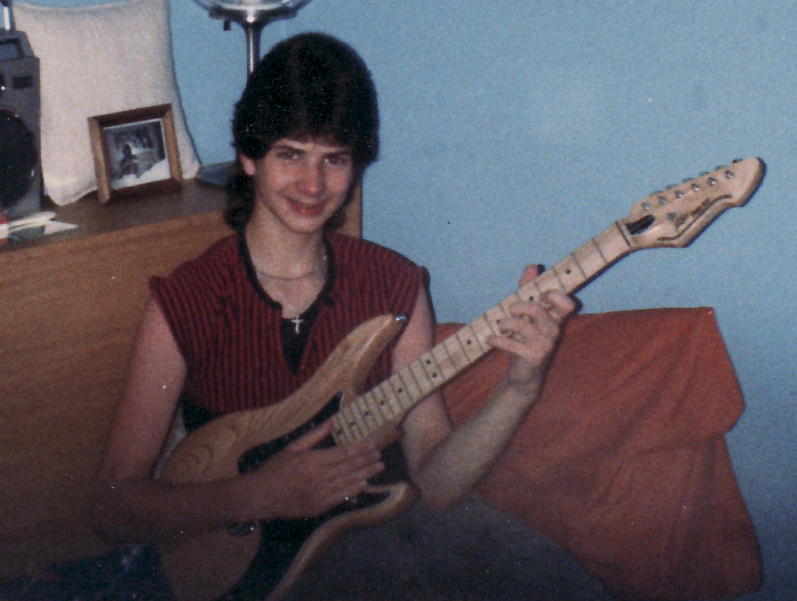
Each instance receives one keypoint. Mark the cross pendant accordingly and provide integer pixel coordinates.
(297, 321)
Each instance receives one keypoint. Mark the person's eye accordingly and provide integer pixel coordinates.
(287, 154)
(339, 160)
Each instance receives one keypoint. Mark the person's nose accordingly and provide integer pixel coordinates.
(311, 179)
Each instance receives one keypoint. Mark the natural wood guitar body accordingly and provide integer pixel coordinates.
(205, 567)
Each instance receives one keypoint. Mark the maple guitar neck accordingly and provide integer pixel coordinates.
(388, 403)
(664, 219)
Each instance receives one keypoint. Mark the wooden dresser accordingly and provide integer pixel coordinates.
(70, 304)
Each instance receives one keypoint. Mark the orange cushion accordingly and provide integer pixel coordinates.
(623, 461)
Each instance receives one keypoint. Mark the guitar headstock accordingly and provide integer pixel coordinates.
(679, 214)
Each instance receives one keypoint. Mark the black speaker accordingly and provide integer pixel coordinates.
(20, 134)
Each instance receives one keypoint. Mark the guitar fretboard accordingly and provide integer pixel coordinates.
(386, 404)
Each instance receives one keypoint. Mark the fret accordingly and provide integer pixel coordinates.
(367, 414)
(559, 281)
(385, 397)
(357, 412)
(404, 394)
(494, 315)
(447, 364)
(345, 429)
(623, 234)
(371, 400)
(551, 281)
(569, 274)
(390, 402)
(590, 258)
(418, 372)
(351, 422)
(448, 369)
(339, 430)
(536, 284)
(432, 369)
(458, 355)
(580, 267)
(515, 297)
(483, 328)
(613, 243)
(600, 250)
(470, 343)
(411, 386)
(374, 410)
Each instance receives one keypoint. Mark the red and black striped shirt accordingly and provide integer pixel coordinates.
(228, 329)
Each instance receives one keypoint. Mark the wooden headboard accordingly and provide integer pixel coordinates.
(71, 303)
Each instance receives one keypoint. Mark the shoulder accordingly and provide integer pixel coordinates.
(355, 256)
(193, 296)
(379, 279)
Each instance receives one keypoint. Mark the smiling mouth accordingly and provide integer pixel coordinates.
(306, 210)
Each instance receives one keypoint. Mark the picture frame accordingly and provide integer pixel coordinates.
(135, 152)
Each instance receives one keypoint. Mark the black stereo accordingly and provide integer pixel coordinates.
(20, 135)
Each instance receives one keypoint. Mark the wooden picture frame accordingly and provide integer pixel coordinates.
(135, 152)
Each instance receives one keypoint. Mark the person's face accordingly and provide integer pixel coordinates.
(300, 184)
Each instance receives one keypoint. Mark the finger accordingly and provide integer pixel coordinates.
(559, 305)
(531, 320)
(358, 479)
(343, 460)
(349, 485)
(312, 438)
(353, 483)
(529, 273)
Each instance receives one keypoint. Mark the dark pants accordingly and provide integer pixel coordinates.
(471, 552)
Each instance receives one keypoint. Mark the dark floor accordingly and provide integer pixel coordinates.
(130, 574)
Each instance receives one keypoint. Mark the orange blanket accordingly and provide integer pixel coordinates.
(624, 461)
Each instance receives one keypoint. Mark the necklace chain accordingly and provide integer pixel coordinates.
(284, 279)
(297, 319)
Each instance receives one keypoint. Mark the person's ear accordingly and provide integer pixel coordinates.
(247, 164)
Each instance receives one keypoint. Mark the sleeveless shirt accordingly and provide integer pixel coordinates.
(228, 328)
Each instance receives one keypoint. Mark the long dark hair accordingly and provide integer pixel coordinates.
(310, 85)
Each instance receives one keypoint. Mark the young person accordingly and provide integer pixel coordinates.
(250, 320)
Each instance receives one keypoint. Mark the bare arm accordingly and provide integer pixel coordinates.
(445, 464)
(130, 505)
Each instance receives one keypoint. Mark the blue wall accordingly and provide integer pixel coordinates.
(514, 130)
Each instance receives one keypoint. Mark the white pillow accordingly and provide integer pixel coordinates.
(97, 60)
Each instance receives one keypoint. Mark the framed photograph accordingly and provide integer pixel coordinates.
(135, 152)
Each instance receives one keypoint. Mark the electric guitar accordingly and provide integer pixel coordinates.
(206, 567)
